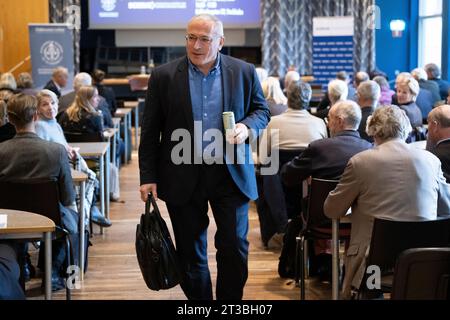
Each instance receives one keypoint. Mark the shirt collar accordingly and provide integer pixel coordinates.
(442, 141)
(214, 68)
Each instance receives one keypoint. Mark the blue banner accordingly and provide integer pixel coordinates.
(51, 46)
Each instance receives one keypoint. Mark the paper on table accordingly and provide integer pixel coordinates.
(3, 220)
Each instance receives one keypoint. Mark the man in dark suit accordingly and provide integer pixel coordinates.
(367, 95)
(27, 156)
(58, 80)
(193, 92)
(327, 158)
(439, 136)
(434, 74)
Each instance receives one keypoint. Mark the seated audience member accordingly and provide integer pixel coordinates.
(291, 76)
(82, 116)
(368, 95)
(8, 84)
(42, 160)
(275, 97)
(337, 91)
(104, 91)
(386, 92)
(370, 186)
(10, 288)
(360, 77)
(262, 74)
(296, 127)
(81, 79)
(438, 140)
(341, 75)
(58, 81)
(48, 128)
(434, 74)
(327, 158)
(25, 84)
(7, 130)
(422, 77)
(407, 91)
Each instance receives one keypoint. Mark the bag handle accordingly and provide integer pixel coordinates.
(151, 202)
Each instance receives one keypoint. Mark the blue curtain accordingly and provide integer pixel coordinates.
(287, 32)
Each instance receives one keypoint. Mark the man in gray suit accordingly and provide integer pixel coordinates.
(27, 156)
(392, 181)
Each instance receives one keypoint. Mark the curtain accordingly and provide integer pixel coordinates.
(68, 11)
(287, 27)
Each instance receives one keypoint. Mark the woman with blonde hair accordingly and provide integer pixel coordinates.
(81, 116)
(274, 95)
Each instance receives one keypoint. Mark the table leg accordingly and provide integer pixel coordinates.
(82, 224)
(335, 259)
(136, 126)
(107, 182)
(48, 265)
(102, 189)
(125, 128)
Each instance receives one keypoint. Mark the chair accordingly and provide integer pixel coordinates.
(39, 196)
(316, 226)
(422, 274)
(83, 137)
(391, 238)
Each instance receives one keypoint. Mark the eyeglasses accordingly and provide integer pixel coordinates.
(203, 39)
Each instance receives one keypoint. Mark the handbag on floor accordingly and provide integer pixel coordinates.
(155, 250)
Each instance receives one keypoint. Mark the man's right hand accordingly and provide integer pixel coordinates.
(145, 189)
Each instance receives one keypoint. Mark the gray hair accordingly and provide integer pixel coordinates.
(350, 112)
(360, 77)
(60, 70)
(419, 74)
(342, 75)
(218, 25)
(382, 82)
(46, 93)
(388, 122)
(24, 80)
(290, 77)
(337, 90)
(441, 115)
(412, 84)
(299, 95)
(82, 79)
(7, 81)
(369, 90)
(434, 70)
(272, 90)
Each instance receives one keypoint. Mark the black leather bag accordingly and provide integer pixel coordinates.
(155, 250)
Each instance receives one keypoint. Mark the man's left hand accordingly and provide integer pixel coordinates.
(239, 135)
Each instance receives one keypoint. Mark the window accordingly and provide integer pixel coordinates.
(430, 32)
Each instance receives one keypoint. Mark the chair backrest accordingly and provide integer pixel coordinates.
(318, 193)
(83, 137)
(40, 196)
(288, 155)
(390, 238)
(422, 274)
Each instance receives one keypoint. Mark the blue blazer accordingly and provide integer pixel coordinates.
(168, 108)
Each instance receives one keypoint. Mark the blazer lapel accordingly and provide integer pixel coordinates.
(184, 93)
(227, 83)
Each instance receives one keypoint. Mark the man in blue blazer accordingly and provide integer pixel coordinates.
(182, 120)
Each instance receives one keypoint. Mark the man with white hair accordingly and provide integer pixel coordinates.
(58, 80)
(368, 95)
(81, 79)
(370, 186)
(290, 77)
(421, 76)
(434, 74)
(438, 140)
(327, 158)
(360, 77)
(337, 91)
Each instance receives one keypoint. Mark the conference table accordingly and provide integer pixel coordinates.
(99, 150)
(80, 178)
(23, 225)
(135, 106)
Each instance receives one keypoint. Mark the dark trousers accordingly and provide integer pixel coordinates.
(190, 222)
(10, 288)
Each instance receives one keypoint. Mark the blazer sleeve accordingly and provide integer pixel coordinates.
(341, 199)
(66, 189)
(150, 133)
(259, 114)
(443, 207)
(300, 168)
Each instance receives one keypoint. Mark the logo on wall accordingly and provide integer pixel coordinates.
(109, 5)
(52, 52)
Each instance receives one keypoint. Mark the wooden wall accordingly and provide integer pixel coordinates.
(15, 15)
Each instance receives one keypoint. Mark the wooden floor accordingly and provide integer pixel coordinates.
(113, 272)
